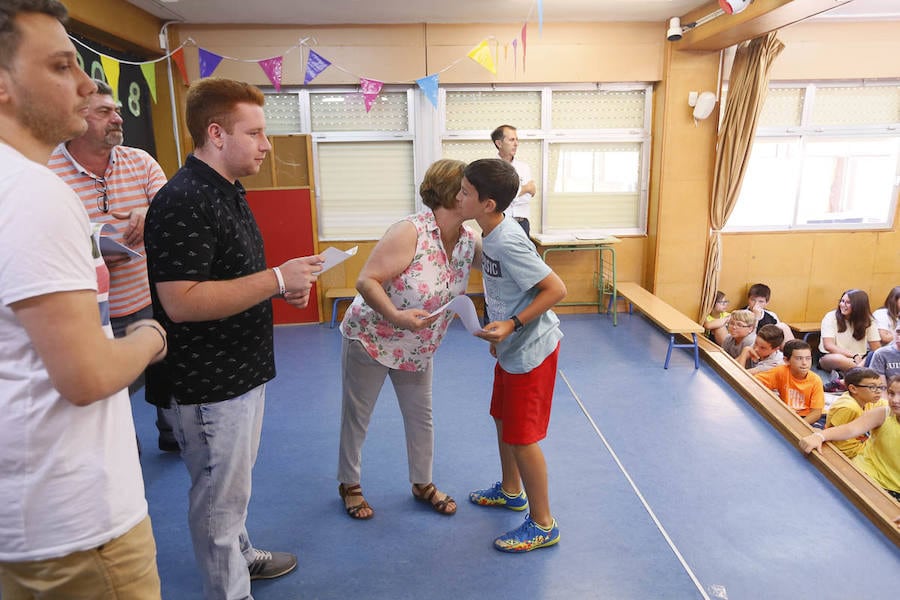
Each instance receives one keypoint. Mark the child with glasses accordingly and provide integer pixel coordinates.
(880, 455)
(795, 383)
(715, 321)
(864, 389)
(741, 327)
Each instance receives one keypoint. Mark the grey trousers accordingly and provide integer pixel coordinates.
(362, 380)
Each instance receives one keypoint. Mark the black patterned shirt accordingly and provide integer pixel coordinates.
(200, 228)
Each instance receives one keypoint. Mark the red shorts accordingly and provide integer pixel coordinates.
(522, 401)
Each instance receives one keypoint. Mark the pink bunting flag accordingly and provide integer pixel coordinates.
(272, 68)
(208, 62)
(524, 44)
(315, 64)
(370, 89)
(178, 59)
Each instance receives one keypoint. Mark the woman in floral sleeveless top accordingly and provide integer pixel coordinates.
(420, 264)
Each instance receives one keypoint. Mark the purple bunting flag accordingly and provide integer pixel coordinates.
(208, 62)
(315, 64)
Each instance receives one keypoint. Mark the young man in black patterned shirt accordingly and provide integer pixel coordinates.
(211, 290)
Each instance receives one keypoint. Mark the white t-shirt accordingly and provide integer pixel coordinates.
(520, 206)
(845, 338)
(883, 319)
(70, 478)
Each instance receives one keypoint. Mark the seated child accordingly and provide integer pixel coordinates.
(795, 384)
(757, 299)
(714, 324)
(764, 354)
(880, 455)
(740, 326)
(864, 389)
(886, 360)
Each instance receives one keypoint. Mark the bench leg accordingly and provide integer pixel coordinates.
(334, 307)
(696, 352)
(669, 351)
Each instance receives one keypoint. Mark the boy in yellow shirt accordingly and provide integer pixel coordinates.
(864, 389)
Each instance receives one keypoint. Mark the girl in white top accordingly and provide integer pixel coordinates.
(887, 316)
(848, 333)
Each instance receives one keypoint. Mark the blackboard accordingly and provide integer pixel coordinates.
(133, 92)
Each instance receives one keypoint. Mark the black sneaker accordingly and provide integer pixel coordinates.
(167, 444)
(269, 565)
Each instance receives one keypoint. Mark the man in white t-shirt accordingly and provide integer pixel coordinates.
(507, 143)
(73, 517)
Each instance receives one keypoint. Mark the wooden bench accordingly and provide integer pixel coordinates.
(338, 295)
(670, 320)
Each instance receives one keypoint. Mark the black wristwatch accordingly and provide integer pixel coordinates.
(517, 324)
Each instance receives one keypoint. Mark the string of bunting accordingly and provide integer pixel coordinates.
(484, 54)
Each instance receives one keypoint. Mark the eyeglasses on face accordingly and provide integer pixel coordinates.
(103, 198)
(874, 388)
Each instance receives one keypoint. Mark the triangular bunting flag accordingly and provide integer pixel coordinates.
(524, 44)
(315, 64)
(111, 70)
(178, 59)
(370, 89)
(208, 62)
(429, 87)
(272, 69)
(149, 71)
(540, 4)
(482, 55)
(515, 45)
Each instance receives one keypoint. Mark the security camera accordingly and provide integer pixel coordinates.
(732, 7)
(674, 33)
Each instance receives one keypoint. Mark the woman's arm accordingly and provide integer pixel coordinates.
(391, 256)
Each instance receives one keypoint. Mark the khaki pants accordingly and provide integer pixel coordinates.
(121, 569)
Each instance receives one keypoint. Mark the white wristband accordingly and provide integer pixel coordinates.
(818, 433)
(281, 289)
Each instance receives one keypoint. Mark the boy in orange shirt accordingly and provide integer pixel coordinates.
(796, 385)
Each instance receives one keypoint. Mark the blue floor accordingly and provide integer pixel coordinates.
(665, 483)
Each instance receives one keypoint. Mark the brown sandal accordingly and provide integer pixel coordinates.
(353, 511)
(426, 494)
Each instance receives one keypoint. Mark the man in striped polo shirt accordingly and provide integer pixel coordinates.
(116, 184)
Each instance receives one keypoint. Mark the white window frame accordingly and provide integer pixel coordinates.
(806, 131)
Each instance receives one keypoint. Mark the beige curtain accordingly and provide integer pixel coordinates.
(747, 91)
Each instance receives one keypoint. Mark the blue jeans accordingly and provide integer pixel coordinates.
(219, 442)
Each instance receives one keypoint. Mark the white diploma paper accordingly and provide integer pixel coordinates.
(463, 306)
(334, 257)
(109, 246)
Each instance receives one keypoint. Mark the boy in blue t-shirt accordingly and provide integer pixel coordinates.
(520, 290)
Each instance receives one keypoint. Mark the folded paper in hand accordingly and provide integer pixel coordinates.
(334, 257)
(463, 306)
(109, 246)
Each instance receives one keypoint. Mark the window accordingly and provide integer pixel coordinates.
(825, 156)
(587, 146)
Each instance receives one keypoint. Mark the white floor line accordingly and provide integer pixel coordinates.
(640, 496)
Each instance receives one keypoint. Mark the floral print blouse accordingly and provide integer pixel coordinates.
(431, 280)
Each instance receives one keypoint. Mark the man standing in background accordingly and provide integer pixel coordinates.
(116, 184)
(507, 143)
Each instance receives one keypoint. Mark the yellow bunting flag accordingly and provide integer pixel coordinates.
(149, 71)
(111, 70)
(482, 55)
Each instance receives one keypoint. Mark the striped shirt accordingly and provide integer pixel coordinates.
(132, 179)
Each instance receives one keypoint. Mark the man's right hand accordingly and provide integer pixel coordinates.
(300, 273)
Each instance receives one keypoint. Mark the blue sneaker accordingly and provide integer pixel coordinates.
(527, 536)
(495, 496)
